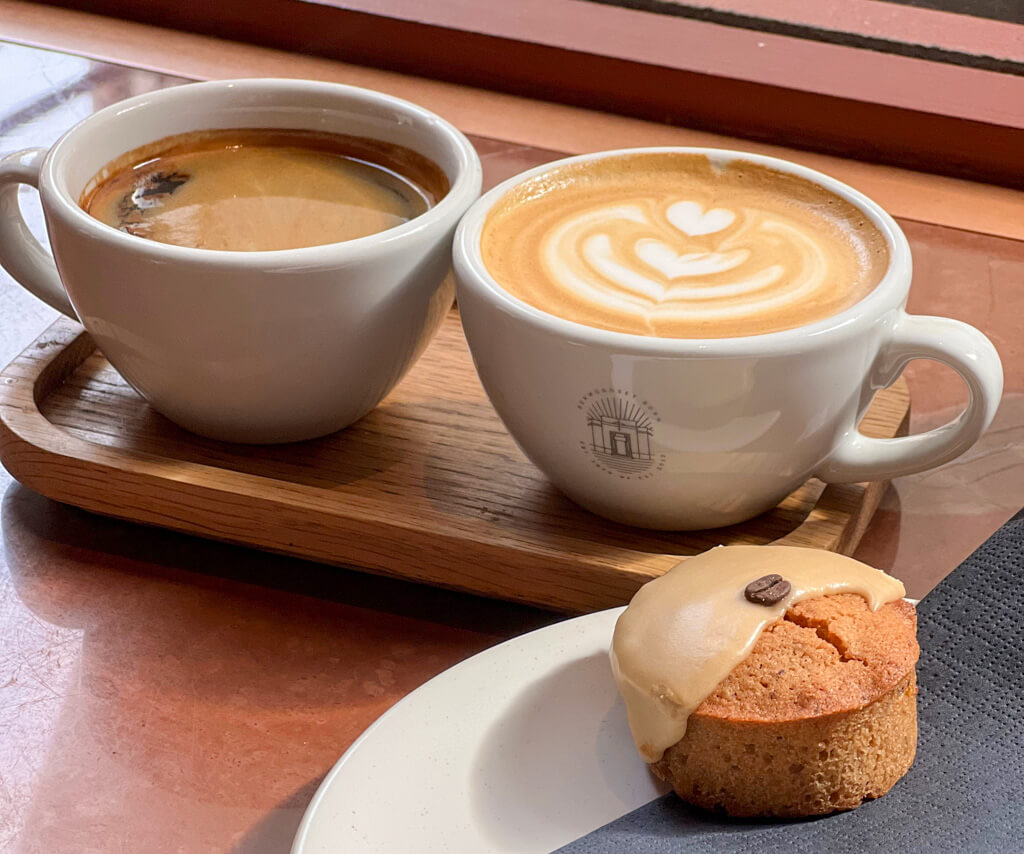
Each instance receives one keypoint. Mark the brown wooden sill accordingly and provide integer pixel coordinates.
(796, 117)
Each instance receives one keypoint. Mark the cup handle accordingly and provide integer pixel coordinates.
(967, 351)
(20, 253)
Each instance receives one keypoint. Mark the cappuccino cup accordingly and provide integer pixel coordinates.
(680, 337)
(271, 345)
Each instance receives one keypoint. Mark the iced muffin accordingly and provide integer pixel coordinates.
(771, 681)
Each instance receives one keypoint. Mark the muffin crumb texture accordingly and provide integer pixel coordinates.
(821, 716)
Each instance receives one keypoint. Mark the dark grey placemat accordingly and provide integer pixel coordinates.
(965, 791)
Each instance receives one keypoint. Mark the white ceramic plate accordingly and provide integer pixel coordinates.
(522, 748)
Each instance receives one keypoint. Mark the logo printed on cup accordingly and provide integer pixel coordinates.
(620, 434)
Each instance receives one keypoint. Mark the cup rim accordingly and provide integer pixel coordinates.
(464, 188)
(889, 293)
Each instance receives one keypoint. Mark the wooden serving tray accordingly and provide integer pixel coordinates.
(427, 487)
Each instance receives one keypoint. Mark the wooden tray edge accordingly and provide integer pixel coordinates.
(63, 467)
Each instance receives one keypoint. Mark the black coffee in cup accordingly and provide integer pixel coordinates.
(262, 189)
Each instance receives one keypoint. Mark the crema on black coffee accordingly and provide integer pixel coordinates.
(262, 189)
(672, 245)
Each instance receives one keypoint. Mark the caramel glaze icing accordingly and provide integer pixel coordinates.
(685, 632)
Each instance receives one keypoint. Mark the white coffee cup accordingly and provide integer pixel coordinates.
(713, 431)
(270, 346)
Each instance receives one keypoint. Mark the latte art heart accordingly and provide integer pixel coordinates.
(666, 261)
(595, 254)
(690, 218)
(680, 249)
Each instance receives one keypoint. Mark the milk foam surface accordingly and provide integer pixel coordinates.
(669, 245)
